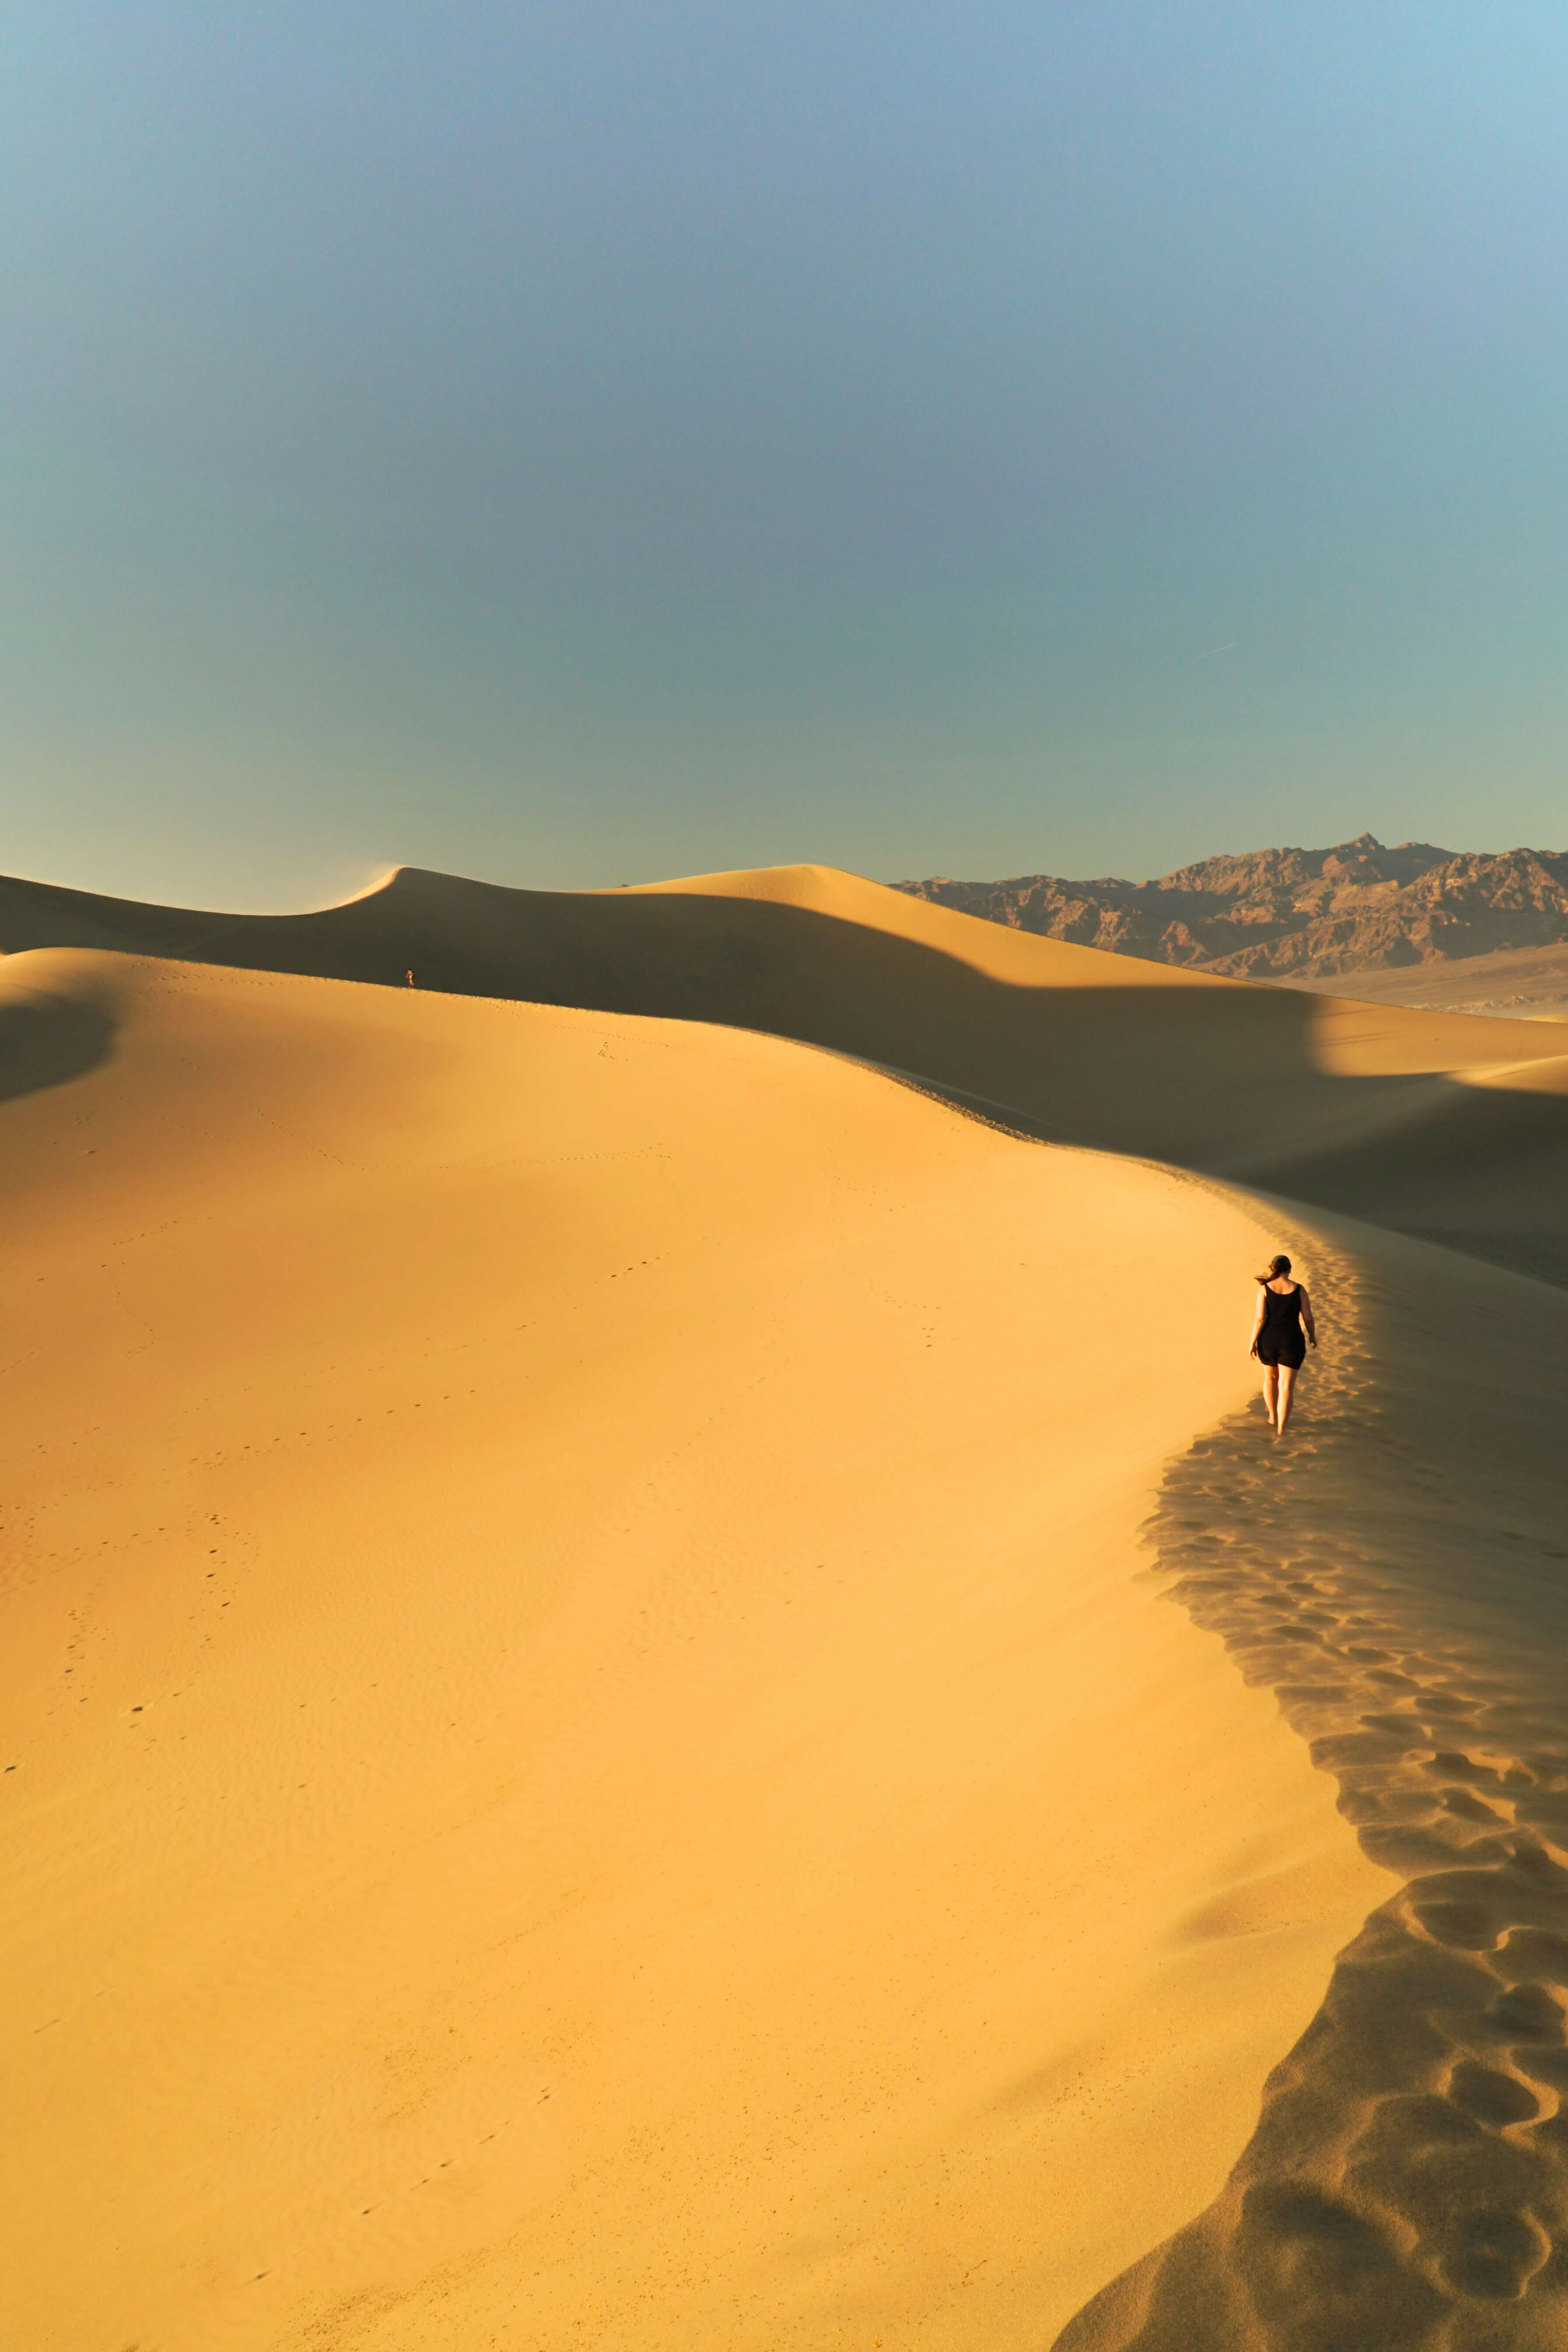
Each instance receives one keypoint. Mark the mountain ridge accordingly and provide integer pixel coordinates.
(1289, 913)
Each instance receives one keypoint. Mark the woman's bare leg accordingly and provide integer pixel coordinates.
(1271, 1391)
(1287, 1390)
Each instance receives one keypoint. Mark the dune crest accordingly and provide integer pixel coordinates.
(1397, 1580)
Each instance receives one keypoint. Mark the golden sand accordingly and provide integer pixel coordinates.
(598, 1755)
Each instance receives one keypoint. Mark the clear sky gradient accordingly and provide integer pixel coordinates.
(584, 443)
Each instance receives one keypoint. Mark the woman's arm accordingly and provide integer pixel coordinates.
(1257, 1325)
(1312, 1328)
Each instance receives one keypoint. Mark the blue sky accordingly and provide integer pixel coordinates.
(578, 444)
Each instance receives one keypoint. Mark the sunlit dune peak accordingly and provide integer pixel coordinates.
(384, 878)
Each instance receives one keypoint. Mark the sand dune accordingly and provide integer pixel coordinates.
(594, 1749)
(1354, 1108)
(560, 1765)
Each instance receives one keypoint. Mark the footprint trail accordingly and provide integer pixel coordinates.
(1407, 2186)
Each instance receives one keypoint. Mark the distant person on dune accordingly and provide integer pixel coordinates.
(1284, 1310)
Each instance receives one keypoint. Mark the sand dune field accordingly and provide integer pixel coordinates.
(661, 1691)
(1370, 1110)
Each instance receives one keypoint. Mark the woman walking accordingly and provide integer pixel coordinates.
(1284, 1310)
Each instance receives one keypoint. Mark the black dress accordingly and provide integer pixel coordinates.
(1280, 1338)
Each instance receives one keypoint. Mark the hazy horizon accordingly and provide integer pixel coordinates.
(385, 874)
(576, 445)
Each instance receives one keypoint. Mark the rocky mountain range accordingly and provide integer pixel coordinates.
(1296, 914)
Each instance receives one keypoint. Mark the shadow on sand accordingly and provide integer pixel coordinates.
(47, 1038)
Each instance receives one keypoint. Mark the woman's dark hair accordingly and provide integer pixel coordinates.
(1276, 1266)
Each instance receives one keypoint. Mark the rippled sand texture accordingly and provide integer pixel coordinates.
(1397, 1571)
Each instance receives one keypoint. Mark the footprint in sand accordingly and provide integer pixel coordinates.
(1406, 2189)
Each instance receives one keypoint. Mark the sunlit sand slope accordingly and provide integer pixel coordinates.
(1363, 1109)
(586, 1761)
